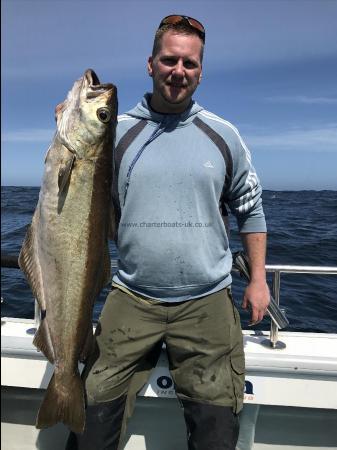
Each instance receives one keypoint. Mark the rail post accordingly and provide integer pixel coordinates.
(273, 342)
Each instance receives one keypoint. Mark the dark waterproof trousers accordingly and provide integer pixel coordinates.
(204, 346)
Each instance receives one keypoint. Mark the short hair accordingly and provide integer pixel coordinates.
(177, 28)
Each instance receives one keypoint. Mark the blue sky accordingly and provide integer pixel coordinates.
(270, 68)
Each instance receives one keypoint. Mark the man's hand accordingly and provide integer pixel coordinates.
(257, 297)
(257, 294)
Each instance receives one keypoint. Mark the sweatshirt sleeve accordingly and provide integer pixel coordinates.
(244, 193)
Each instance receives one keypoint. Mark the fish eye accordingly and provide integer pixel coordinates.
(104, 115)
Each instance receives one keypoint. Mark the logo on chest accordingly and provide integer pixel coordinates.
(208, 164)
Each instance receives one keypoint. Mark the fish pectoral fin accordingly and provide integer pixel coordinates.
(65, 173)
(63, 402)
(43, 342)
(30, 266)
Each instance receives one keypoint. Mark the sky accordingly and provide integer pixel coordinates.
(270, 68)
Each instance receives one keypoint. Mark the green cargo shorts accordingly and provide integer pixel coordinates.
(203, 341)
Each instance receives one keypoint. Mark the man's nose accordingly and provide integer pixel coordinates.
(178, 69)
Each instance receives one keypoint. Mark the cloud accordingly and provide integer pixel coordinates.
(320, 139)
(28, 135)
(302, 99)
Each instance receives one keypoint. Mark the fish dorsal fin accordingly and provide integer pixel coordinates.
(101, 282)
(65, 173)
(28, 262)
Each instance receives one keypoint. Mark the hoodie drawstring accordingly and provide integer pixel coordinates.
(157, 132)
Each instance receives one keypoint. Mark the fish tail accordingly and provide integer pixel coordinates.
(63, 403)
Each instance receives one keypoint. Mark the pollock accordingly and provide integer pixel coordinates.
(65, 255)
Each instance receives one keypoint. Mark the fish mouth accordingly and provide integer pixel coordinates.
(93, 85)
(91, 77)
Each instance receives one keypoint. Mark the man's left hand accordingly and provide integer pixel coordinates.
(257, 297)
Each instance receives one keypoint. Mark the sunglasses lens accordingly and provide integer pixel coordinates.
(196, 25)
(171, 19)
(177, 19)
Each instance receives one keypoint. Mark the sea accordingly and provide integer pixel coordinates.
(302, 230)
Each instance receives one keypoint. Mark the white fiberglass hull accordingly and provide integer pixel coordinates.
(296, 388)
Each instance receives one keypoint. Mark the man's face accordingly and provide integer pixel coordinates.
(176, 72)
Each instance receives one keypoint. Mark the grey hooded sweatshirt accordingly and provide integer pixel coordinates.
(175, 176)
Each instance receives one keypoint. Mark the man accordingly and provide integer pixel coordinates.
(177, 166)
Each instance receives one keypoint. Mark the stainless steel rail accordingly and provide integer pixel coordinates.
(276, 270)
(241, 262)
(273, 341)
(317, 270)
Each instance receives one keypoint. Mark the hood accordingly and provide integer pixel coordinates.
(143, 110)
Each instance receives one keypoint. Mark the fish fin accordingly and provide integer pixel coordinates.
(64, 173)
(63, 402)
(30, 266)
(88, 345)
(102, 281)
(43, 342)
(47, 153)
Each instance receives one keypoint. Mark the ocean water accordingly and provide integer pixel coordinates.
(302, 230)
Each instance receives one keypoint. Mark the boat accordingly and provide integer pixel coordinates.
(290, 399)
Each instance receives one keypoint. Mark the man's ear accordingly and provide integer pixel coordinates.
(200, 77)
(150, 66)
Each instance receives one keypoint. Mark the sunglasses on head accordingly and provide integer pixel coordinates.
(193, 23)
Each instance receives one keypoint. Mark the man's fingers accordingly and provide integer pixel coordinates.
(254, 317)
(257, 316)
(257, 297)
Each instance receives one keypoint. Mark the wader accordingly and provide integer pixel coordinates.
(205, 351)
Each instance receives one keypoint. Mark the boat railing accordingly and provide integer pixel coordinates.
(10, 261)
(277, 269)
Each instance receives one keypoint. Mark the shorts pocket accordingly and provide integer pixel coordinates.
(237, 360)
(238, 380)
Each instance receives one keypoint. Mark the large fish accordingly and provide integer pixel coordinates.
(65, 254)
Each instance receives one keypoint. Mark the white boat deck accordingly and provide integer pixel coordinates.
(307, 367)
(296, 388)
